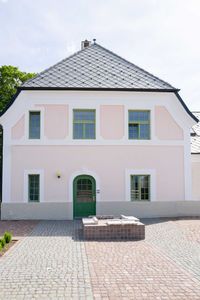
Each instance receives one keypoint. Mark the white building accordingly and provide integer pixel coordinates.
(95, 134)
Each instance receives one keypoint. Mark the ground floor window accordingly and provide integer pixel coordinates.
(34, 187)
(140, 187)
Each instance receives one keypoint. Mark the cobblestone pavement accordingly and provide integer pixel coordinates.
(19, 229)
(179, 239)
(50, 263)
(53, 262)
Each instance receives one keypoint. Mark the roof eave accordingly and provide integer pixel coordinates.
(11, 102)
(186, 108)
(99, 89)
(19, 89)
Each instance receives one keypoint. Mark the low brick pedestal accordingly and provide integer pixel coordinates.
(106, 229)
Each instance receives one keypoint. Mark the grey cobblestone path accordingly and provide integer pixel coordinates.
(169, 239)
(50, 263)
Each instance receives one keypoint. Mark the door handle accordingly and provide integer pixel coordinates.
(93, 198)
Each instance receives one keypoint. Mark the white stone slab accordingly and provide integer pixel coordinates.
(129, 218)
(88, 221)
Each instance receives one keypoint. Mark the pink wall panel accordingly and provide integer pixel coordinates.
(112, 121)
(166, 127)
(17, 131)
(55, 121)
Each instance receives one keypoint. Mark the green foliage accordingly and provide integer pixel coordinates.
(8, 237)
(2, 242)
(0, 247)
(10, 79)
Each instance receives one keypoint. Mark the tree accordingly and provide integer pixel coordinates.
(10, 79)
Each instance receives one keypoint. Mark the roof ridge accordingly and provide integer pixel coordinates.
(132, 64)
(64, 59)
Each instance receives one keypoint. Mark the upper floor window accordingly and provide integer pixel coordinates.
(34, 188)
(140, 187)
(34, 125)
(83, 124)
(139, 124)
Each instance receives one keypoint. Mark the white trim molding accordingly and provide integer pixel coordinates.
(84, 171)
(41, 140)
(33, 172)
(151, 172)
(187, 167)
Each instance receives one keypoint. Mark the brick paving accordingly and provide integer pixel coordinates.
(136, 270)
(178, 239)
(189, 226)
(53, 262)
(50, 263)
(19, 229)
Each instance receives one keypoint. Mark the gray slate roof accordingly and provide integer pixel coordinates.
(96, 67)
(195, 135)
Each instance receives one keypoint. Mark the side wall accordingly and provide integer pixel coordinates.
(196, 176)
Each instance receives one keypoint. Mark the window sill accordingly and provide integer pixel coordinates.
(140, 200)
(33, 201)
(139, 139)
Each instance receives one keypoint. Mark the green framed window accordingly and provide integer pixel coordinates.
(84, 124)
(34, 125)
(140, 187)
(34, 188)
(139, 124)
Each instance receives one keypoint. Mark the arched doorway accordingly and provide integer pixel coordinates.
(84, 196)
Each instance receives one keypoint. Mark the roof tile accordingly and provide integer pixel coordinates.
(96, 67)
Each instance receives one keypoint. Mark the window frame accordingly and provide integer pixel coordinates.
(29, 136)
(140, 123)
(33, 201)
(84, 122)
(139, 187)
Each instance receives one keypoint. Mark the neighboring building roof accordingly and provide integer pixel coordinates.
(95, 67)
(195, 135)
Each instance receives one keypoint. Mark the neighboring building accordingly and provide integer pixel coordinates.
(195, 150)
(95, 134)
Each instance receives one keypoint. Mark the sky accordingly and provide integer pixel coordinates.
(160, 36)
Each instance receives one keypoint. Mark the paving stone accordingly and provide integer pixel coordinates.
(143, 269)
(19, 229)
(50, 261)
(177, 238)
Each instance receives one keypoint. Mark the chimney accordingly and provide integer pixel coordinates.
(85, 44)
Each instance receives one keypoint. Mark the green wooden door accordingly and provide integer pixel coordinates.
(84, 196)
